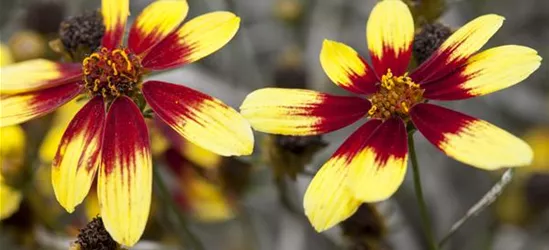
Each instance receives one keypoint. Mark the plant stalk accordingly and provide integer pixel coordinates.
(419, 195)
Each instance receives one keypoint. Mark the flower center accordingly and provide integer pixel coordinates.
(395, 97)
(112, 73)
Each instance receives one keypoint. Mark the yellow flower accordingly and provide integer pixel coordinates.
(108, 135)
(12, 149)
(371, 164)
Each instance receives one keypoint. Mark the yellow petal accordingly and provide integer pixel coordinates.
(115, 14)
(458, 48)
(470, 140)
(538, 139)
(378, 169)
(301, 112)
(19, 108)
(201, 119)
(486, 72)
(12, 146)
(206, 200)
(78, 155)
(156, 22)
(346, 68)
(91, 204)
(390, 33)
(125, 176)
(5, 55)
(61, 120)
(196, 39)
(200, 156)
(36, 74)
(10, 198)
(328, 199)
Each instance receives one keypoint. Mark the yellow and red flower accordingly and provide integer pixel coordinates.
(108, 135)
(370, 165)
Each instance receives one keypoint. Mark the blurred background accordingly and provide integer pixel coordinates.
(255, 202)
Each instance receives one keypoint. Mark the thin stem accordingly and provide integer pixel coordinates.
(190, 238)
(419, 195)
(482, 204)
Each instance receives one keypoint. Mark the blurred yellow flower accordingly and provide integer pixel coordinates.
(525, 195)
(60, 122)
(11, 157)
(5, 55)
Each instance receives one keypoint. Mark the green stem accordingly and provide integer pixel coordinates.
(419, 195)
(188, 236)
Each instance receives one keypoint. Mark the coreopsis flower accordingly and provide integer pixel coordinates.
(109, 135)
(371, 164)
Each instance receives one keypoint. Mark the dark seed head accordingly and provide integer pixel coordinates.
(430, 37)
(95, 237)
(82, 34)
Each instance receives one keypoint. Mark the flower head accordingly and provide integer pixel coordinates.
(370, 165)
(109, 135)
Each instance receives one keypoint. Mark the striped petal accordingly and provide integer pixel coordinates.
(328, 200)
(301, 112)
(346, 68)
(37, 74)
(115, 14)
(125, 176)
(390, 33)
(156, 22)
(470, 140)
(378, 169)
(77, 157)
(20, 108)
(196, 39)
(486, 72)
(200, 118)
(458, 48)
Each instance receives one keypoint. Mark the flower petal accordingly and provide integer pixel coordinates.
(115, 14)
(200, 118)
(328, 200)
(301, 112)
(20, 108)
(458, 48)
(346, 68)
(125, 176)
(196, 39)
(390, 33)
(156, 22)
(61, 119)
(486, 72)
(77, 157)
(37, 74)
(470, 140)
(378, 169)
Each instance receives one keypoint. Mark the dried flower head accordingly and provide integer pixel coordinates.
(428, 39)
(94, 236)
(82, 34)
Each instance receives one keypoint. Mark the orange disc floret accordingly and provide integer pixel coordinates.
(112, 73)
(395, 97)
